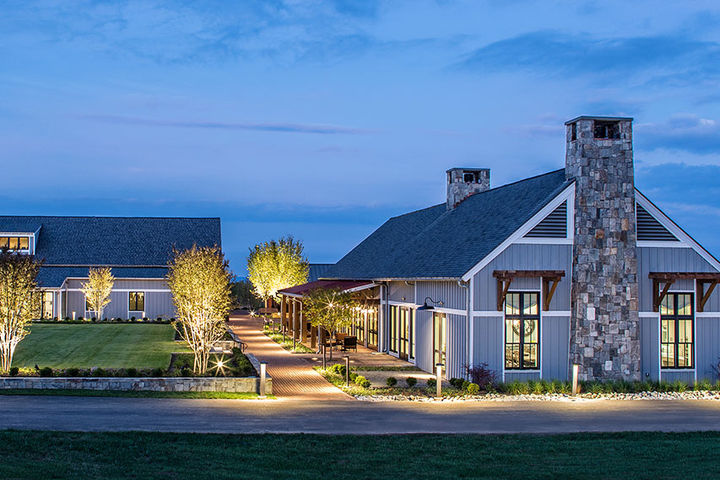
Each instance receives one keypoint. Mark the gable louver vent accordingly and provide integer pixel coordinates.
(552, 226)
(649, 229)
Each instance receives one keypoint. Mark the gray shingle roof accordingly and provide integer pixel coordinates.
(51, 277)
(437, 243)
(318, 270)
(125, 241)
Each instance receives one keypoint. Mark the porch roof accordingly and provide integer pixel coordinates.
(345, 285)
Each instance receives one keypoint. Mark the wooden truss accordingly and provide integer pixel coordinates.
(550, 281)
(667, 279)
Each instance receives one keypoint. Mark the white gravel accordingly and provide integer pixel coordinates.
(550, 397)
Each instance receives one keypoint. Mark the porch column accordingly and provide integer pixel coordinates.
(58, 307)
(294, 319)
(302, 322)
(283, 304)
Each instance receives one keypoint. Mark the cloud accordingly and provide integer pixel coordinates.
(681, 132)
(261, 127)
(559, 53)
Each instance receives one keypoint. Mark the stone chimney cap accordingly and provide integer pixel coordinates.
(469, 169)
(595, 117)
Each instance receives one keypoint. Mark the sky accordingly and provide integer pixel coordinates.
(321, 119)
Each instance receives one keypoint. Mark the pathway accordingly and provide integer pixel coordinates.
(292, 375)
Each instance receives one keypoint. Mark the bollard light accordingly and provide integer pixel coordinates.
(73, 316)
(438, 379)
(347, 370)
(324, 359)
(575, 371)
(263, 376)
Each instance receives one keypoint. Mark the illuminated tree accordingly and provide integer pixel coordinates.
(97, 289)
(18, 305)
(275, 265)
(329, 309)
(199, 280)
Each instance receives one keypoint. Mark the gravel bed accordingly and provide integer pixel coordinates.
(550, 397)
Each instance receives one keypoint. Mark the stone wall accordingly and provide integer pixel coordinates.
(458, 189)
(605, 324)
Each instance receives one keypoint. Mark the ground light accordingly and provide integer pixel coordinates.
(438, 379)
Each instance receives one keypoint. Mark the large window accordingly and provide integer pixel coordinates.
(676, 321)
(15, 243)
(402, 331)
(137, 301)
(522, 330)
(373, 328)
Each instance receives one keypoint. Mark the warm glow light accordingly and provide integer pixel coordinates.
(219, 366)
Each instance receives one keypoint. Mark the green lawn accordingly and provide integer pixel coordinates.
(106, 346)
(179, 456)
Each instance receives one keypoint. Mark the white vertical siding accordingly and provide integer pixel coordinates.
(554, 346)
(401, 292)
(455, 348)
(450, 293)
(707, 356)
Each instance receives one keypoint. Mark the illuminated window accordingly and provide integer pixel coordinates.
(15, 243)
(522, 330)
(676, 335)
(137, 301)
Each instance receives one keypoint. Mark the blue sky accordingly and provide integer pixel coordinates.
(323, 118)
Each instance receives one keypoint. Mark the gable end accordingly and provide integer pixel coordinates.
(650, 229)
(552, 226)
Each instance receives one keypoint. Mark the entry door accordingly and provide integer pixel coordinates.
(403, 330)
(439, 338)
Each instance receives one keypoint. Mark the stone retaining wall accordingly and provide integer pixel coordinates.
(159, 384)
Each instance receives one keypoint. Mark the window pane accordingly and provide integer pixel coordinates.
(13, 243)
(512, 331)
(3, 242)
(531, 331)
(512, 356)
(530, 359)
(667, 307)
(685, 331)
(24, 243)
(530, 303)
(668, 331)
(667, 354)
(684, 304)
(684, 355)
(512, 304)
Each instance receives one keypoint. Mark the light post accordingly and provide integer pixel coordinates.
(438, 379)
(263, 375)
(575, 371)
(324, 359)
(347, 370)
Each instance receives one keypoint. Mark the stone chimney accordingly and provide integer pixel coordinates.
(463, 182)
(604, 324)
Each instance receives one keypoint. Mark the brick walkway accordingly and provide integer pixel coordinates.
(292, 375)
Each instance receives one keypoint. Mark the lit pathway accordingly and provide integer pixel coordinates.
(292, 376)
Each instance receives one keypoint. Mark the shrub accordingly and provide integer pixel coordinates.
(98, 372)
(679, 386)
(535, 387)
(431, 383)
(353, 376)
(46, 372)
(14, 371)
(456, 382)
(465, 384)
(185, 372)
(391, 381)
(482, 375)
(72, 372)
(157, 372)
(473, 388)
(411, 381)
(362, 381)
(703, 385)
(131, 372)
(517, 388)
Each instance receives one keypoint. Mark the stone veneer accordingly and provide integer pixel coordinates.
(605, 325)
(458, 189)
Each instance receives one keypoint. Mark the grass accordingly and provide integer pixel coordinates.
(133, 394)
(30, 454)
(286, 342)
(94, 345)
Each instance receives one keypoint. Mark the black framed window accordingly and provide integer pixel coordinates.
(46, 305)
(373, 327)
(15, 243)
(676, 331)
(522, 331)
(137, 301)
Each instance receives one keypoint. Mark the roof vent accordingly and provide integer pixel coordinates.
(649, 229)
(552, 226)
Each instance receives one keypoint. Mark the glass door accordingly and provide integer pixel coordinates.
(403, 329)
(439, 338)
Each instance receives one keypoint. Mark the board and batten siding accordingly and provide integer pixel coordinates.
(555, 346)
(488, 343)
(424, 341)
(660, 259)
(401, 292)
(650, 348)
(456, 343)
(450, 293)
(525, 257)
(707, 341)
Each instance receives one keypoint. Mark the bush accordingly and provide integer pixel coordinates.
(362, 381)
(456, 382)
(72, 372)
(185, 372)
(14, 371)
(157, 372)
(45, 372)
(482, 375)
(431, 383)
(473, 388)
(353, 376)
(411, 381)
(391, 381)
(98, 372)
(465, 384)
(131, 372)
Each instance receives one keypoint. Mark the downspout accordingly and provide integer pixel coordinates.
(468, 319)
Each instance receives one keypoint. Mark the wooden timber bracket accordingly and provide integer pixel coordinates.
(550, 281)
(668, 278)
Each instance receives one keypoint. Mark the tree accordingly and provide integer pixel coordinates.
(18, 304)
(97, 289)
(243, 296)
(329, 309)
(275, 265)
(199, 280)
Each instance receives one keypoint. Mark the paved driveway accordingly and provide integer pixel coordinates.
(288, 416)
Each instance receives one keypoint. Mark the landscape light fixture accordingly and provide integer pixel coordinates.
(427, 306)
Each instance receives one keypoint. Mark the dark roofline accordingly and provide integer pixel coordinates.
(596, 117)
(108, 216)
